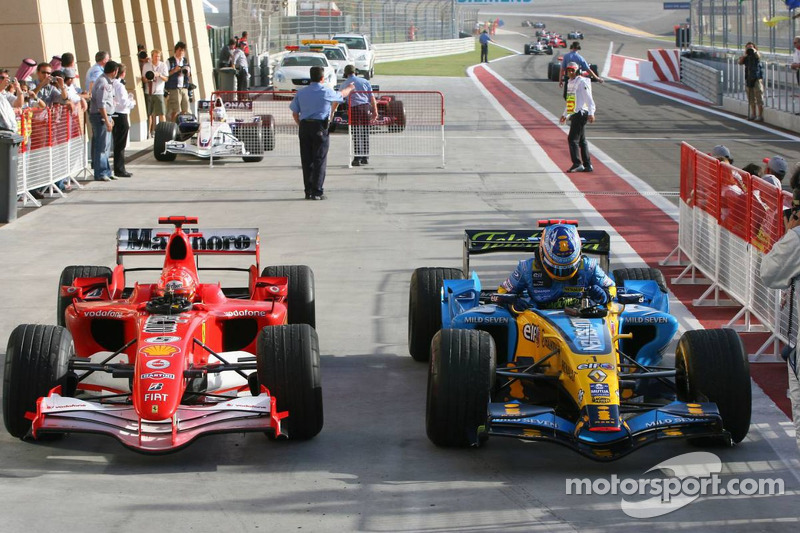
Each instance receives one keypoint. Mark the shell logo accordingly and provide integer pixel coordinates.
(159, 350)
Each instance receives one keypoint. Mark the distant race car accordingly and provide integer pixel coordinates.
(539, 25)
(575, 34)
(157, 365)
(294, 70)
(585, 375)
(215, 138)
(391, 115)
(538, 48)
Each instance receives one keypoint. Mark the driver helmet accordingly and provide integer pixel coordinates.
(219, 111)
(178, 282)
(560, 251)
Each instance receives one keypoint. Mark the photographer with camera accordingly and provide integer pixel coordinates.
(49, 88)
(779, 270)
(754, 86)
(178, 83)
(154, 74)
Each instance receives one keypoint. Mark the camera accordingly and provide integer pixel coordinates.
(185, 71)
(149, 75)
(750, 51)
(142, 55)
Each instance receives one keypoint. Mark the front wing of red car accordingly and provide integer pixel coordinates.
(59, 414)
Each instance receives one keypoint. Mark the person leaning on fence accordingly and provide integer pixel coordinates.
(780, 268)
(100, 111)
(178, 82)
(123, 103)
(363, 107)
(312, 109)
(239, 60)
(11, 90)
(754, 86)
(485, 40)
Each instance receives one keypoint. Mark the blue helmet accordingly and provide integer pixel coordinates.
(560, 251)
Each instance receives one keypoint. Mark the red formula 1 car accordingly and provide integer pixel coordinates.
(157, 365)
(391, 115)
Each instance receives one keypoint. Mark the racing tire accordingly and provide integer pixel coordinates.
(253, 145)
(425, 308)
(268, 125)
(553, 70)
(287, 360)
(301, 300)
(527, 49)
(68, 275)
(460, 380)
(165, 132)
(396, 111)
(653, 274)
(711, 365)
(549, 50)
(37, 360)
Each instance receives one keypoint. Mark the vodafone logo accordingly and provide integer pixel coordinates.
(158, 364)
(103, 314)
(245, 313)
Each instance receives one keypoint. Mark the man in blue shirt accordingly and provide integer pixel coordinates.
(312, 108)
(574, 57)
(362, 108)
(485, 40)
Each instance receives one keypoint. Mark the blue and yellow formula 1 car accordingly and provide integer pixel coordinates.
(586, 376)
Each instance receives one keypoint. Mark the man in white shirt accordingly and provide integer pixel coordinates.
(239, 60)
(579, 110)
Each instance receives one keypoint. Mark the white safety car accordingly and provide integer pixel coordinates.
(294, 71)
(337, 53)
(362, 51)
(216, 135)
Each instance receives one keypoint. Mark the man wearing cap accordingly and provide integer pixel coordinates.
(721, 153)
(579, 110)
(574, 57)
(775, 169)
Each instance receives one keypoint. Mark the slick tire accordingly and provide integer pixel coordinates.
(287, 360)
(527, 49)
(621, 275)
(165, 132)
(301, 299)
(268, 126)
(425, 308)
(396, 111)
(37, 359)
(460, 380)
(68, 275)
(253, 142)
(711, 366)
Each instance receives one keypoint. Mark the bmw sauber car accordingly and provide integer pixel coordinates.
(575, 34)
(220, 137)
(391, 115)
(294, 72)
(586, 376)
(538, 48)
(156, 365)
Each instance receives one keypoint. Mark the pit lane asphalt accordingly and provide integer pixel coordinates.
(372, 467)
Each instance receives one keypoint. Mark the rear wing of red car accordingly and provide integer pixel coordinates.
(479, 241)
(216, 241)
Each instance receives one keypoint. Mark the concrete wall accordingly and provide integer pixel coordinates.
(40, 29)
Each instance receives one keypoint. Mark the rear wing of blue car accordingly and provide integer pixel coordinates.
(480, 241)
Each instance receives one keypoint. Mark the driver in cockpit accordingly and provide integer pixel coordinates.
(558, 274)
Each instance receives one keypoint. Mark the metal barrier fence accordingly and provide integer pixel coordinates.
(53, 149)
(409, 124)
(704, 79)
(728, 221)
(732, 23)
(273, 24)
